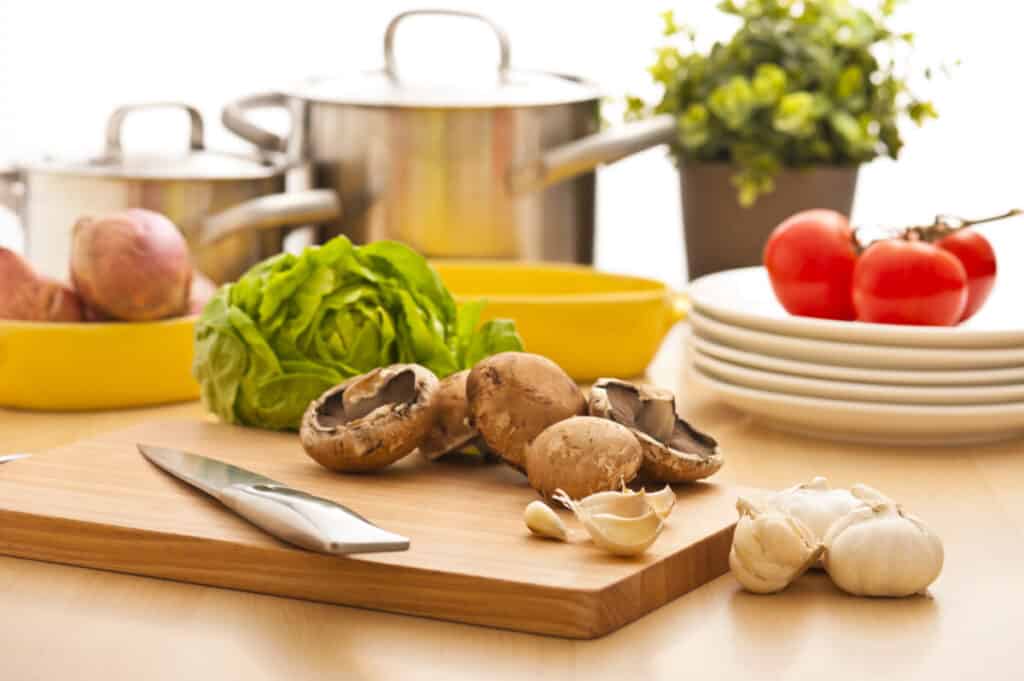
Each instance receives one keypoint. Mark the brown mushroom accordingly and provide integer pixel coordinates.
(583, 455)
(674, 451)
(451, 431)
(370, 421)
(513, 396)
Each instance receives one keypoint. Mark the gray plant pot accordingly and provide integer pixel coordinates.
(720, 234)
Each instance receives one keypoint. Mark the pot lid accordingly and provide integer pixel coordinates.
(196, 163)
(193, 165)
(510, 89)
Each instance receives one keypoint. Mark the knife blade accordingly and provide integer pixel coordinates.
(13, 457)
(289, 514)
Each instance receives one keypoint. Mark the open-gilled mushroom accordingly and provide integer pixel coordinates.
(372, 420)
(452, 430)
(674, 451)
(513, 396)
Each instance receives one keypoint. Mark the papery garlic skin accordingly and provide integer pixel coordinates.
(661, 501)
(879, 550)
(622, 523)
(770, 549)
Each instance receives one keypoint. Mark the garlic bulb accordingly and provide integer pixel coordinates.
(770, 548)
(544, 522)
(622, 523)
(878, 550)
(817, 505)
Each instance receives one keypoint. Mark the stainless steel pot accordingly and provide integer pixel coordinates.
(502, 170)
(229, 207)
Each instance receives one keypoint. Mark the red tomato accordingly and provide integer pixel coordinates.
(810, 259)
(909, 282)
(979, 260)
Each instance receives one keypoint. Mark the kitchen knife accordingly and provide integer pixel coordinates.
(289, 514)
(13, 457)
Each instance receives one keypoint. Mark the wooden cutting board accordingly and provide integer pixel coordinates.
(98, 503)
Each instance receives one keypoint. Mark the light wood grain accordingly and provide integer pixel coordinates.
(62, 622)
(98, 503)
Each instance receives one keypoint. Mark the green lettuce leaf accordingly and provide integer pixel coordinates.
(295, 325)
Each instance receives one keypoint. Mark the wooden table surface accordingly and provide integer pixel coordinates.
(60, 622)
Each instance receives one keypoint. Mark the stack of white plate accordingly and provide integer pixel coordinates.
(852, 381)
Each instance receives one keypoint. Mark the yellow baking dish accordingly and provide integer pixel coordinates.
(591, 323)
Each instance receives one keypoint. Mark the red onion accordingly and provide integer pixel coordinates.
(133, 265)
(202, 290)
(27, 295)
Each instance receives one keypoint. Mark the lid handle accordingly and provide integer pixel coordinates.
(389, 38)
(116, 122)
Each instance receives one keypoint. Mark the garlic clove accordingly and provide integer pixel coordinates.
(627, 502)
(817, 483)
(770, 548)
(544, 522)
(869, 495)
(624, 536)
(661, 501)
(622, 523)
(879, 550)
(817, 505)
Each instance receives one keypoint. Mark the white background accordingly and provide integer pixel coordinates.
(65, 65)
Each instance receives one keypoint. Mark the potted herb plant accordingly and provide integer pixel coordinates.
(778, 118)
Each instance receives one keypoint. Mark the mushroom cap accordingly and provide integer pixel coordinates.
(674, 451)
(372, 420)
(583, 455)
(514, 396)
(451, 430)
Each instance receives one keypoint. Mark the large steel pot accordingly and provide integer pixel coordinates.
(230, 207)
(502, 170)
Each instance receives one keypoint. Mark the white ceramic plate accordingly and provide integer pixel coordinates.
(872, 422)
(744, 297)
(858, 392)
(852, 354)
(921, 377)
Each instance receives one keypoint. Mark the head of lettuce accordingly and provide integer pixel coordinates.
(295, 325)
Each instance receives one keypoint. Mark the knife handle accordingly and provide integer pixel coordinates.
(307, 521)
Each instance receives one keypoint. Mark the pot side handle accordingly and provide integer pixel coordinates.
(580, 156)
(289, 209)
(12, 192)
(235, 118)
(11, 188)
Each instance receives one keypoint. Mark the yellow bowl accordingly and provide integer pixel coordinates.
(591, 323)
(96, 366)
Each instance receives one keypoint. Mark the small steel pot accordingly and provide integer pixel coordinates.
(502, 170)
(230, 207)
